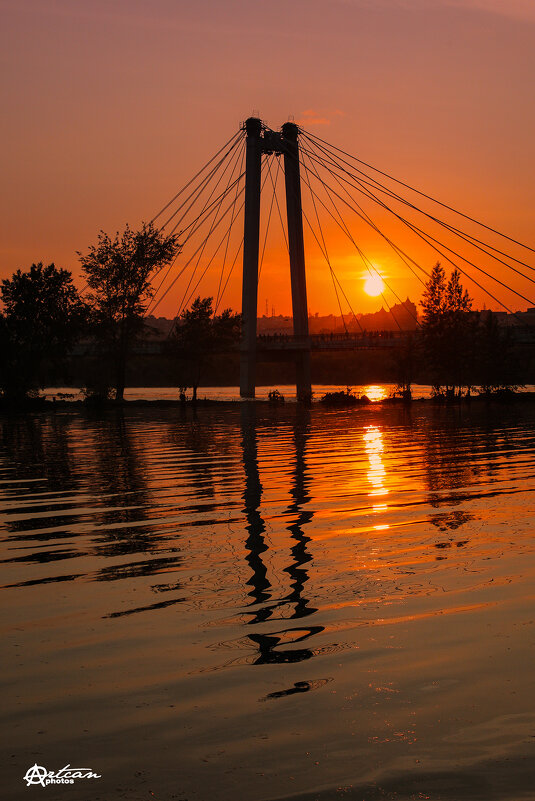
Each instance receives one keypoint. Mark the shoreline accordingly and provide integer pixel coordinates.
(352, 402)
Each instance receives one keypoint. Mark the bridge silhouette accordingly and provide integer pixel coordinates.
(332, 341)
(218, 218)
(294, 343)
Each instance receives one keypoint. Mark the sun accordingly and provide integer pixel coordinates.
(374, 285)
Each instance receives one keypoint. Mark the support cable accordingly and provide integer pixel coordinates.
(333, 273)
(419, 192)
(234, 139)
(365, 259)
(279, 210)
(183, 244)
(347, 232)
(465, 236)
(438, 251)
(183, 303)
(367, 263)
(198, 191)
(181, 272)
(422, 236)
(291, 155)
(365, 217)
(229, 274)
(323, 248)
(198, 222)
(237, 161)
(228, 238)
(426, 237)
(274, 182)
(240, 246)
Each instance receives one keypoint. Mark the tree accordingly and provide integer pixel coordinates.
(118, 272)
(498, 365)
(404, 366)
(461, 330)
(433, 299)
(433, 324)
(449, 331)
(43, 316)
(200, 335)
(457, 299)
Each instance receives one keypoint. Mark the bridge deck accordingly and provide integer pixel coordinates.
(289, 342)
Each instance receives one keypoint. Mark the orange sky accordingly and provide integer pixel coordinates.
(110, 107)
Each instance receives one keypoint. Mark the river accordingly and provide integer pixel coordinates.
(267, 603)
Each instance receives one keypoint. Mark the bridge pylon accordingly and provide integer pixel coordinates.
(261, 140)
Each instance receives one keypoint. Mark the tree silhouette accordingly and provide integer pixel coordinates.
(498, 364)
(433, 298)
(118, 273)
(403, 365)
(42, 318)
(199, 336)
(449, 329)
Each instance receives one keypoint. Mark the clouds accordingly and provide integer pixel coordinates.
(519, 9)
(310, 118)
(515, 9)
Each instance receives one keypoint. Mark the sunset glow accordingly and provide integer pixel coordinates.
(137, 138)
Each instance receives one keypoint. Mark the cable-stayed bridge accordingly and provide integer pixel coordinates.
(223, 227)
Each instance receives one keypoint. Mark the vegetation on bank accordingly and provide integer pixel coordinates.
(464, 350)
(198, 339)
(118, 272)
(458, 350)
(344, 397)
(44, 316)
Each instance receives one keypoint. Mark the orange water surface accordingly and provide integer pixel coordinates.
(265, 603)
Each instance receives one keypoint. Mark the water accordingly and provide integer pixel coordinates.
(375, 392)
(264, 603)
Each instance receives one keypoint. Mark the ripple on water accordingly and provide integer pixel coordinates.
(366, 575)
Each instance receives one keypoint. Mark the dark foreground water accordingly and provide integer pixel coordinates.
(270, 603)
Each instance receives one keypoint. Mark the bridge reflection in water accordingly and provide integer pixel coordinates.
(215, 597)
(267, 644)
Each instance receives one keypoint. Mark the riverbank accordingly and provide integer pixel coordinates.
(331, 398)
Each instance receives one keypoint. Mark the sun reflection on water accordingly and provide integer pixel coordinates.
(374, 448)
(373, 438)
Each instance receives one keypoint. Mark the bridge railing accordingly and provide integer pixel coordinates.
(357, 339)
(338, 336)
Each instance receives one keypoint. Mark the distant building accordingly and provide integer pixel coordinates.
(157, 327)
(401, 316)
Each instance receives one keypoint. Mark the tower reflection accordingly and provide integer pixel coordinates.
(301, 497)
(268, 643)
(252, 497)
